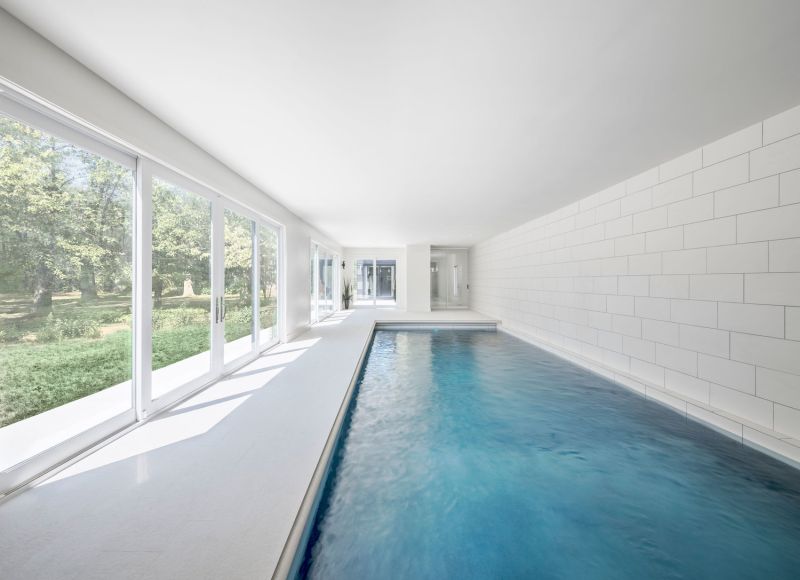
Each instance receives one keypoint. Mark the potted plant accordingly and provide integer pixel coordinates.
(347, 293)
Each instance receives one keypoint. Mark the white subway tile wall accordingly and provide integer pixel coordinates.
(685, 277)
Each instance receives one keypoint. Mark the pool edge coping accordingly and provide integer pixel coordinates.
(288, 561)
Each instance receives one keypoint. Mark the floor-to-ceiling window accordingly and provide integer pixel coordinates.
(364, 275)
(312, 285)
(237, 312)
(375, 282)
(66, 242)
(324, 282)
(124, 286)
(268, 257)
(181, 282)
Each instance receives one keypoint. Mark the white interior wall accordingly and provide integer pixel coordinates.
(418, 278)
(398, 254)
(33, 63)
(682, 282)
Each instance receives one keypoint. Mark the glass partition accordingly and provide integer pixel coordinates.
(449, 280)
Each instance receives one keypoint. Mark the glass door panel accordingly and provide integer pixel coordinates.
(321, 284)
(326, 284)
(458, 295)
(386, 283)
(268, 285)
(438, 280)
(313, 285)
(365, 282)
(449, 278)
(181, 319)
(237, 312)
(66, 239)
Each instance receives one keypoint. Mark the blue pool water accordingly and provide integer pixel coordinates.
(472, 454)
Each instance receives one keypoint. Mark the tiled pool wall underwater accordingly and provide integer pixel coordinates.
(297, 544)
(682, 282)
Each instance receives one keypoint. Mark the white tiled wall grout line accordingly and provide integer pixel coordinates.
(636, 276)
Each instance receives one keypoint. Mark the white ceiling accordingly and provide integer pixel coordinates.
(393, 122)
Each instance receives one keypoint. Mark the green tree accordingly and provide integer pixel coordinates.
(238, 255)
(65, 216)
(181, 238)
(99, 246)
(268, 241)
(33, 197)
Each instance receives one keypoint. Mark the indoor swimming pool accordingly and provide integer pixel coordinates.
(472, 454)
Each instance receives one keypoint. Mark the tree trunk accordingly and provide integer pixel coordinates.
(158, 288)
(88, 283)
(43, 289)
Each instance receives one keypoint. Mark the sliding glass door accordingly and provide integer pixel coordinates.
(215, 290)
(376, 282)
(238, 299)
(268, 260)
(325, 288)
(66, 286)
(365, 282)
(124, 287)
(324, 282)
(181, 283)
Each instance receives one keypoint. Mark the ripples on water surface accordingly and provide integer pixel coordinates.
(472, 454)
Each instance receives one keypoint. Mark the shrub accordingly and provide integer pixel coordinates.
(60, 328)
(239, 315)
(166, 318)
(11, 333)
(38, 377)
(112, 316)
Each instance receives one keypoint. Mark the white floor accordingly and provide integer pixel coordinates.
(24, 439)
(209, 489)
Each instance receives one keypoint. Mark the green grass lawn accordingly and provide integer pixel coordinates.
(47, 361)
